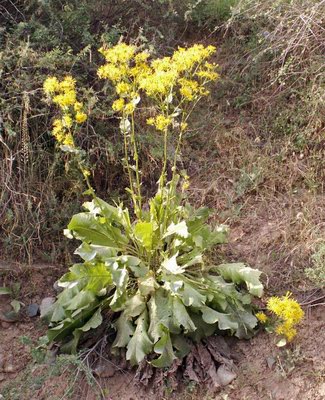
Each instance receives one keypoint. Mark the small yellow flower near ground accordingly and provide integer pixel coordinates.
(289, 313)
(262, 317)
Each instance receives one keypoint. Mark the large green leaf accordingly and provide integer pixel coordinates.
(124, 329)
(93, 276)
(164, 347)
(143, 232)
(160, 313)
(87, 227)
(224, 321)
(170, 265)
(93, 323)
(140, 344)
(239, 273)
(181, 317)
(89, 251)
(179, 229)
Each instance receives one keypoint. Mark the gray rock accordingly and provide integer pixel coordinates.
(105, 370)
(32, 310)
(225, 376)
(270, 361)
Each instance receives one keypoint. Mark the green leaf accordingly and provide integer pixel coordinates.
(5, 291)
(181, 317)
(239, 273)
(89, 251)
(224, 321)
(140, 344)
(191, 296)
(81, 300)
(135, 305)
(93, 277)
(147, 285)
(87, 227)
(179, 229)
(171, 265)
(124, 329)
(143, 232)
(93, 323)
(164, 347)
(16, 305)
(160, 313)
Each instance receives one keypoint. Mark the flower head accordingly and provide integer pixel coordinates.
(51, 85)
(261, 317)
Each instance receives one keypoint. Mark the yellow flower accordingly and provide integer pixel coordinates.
(121, 53)
(286, 330)
(111, 72)
(261, 317)
(184, 126)
(51, 85)
(142, 57)
(68, 140)
(80, 117)
(129, 108)
(188, 88)
(67, 120)
(118, 105)
(151, 121)
(68, 84)
(160, 122)
(289, 312)
(66, 99)
(123, 88)
(78, 106)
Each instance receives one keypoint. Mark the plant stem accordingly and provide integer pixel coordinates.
(137, 172)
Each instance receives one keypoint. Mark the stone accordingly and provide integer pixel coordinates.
(270, 361)
(225, 376)
(33, 310)
(105, 371)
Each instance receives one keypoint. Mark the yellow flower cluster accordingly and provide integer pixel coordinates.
(160, 122)
(289, 312)
(64, 95)
(184, 74)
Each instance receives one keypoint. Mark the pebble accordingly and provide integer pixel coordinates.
(105, 371)
(32, 310)
(5, 325)
(225, 376)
